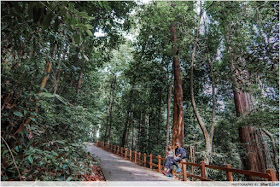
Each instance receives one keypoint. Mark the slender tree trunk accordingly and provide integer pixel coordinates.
(110, 111)
(168, 114)
(80, 79)
(139, 130)
(143, 125)
(110, 119)
(57, 81)
(178, 123)
(131, 127)
(59, 71)
(159, 116)
(123, 141)
(208, 137)
(149, 125)
(132, 135)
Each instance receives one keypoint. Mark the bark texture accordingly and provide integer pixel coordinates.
(257, 156)
(178, 123)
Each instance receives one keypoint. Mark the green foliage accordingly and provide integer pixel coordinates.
(62, 107)
(98, 64)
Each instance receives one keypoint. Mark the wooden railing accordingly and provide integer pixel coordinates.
(141, 159)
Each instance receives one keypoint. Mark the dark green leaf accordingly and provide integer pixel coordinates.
(17, 113)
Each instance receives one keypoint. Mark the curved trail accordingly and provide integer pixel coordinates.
(116, 168)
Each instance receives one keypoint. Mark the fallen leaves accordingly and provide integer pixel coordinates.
(96, 174)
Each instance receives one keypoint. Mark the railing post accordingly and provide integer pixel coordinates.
(139, 158)
(130, 155)
(272, 175)
(151, 161)
(121, 151)
(118, 150)
(135, 157)
(184, 172)
(125, 154)
(202, 168)
(229, 174)
(112, 148)
(159, 163)
(145, 160)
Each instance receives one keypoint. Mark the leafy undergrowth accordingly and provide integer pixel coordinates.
(71, 163)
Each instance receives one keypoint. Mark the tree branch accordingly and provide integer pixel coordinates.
(198, 117)
(12, 157)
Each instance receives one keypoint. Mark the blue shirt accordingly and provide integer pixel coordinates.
(181, 151)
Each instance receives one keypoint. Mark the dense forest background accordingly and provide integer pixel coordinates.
(139, 75)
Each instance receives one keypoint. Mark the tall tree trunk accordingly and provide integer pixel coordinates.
(168, 114)
(149, 134)
(178, 123)
(139, 130)
(110, 110)
(110, 119)
(56, 81)
(257, 155)
(143, 125)
(57, 77)
(243, 100)
(132, 135)
(127, 121)
(130, 126)
(208, 137)
(80, 79)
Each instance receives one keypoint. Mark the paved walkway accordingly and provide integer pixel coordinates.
(116, 168)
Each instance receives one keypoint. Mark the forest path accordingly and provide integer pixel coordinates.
(115, 168)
